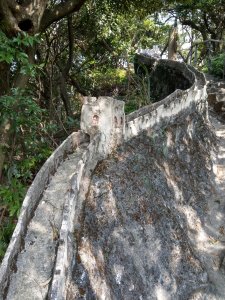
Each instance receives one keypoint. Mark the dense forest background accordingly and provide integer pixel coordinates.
(53, 53)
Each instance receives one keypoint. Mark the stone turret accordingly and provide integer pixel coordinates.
(105, 116)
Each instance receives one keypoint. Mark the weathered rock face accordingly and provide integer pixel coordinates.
(216, 96)
(145, 231)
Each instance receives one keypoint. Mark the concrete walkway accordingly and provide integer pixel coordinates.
(208, 239)
(215, 223)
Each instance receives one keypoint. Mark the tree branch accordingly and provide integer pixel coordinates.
(59, 11)
(205, 18)
(71, 40)
(78, 87)
(190, 23)
(7, 19)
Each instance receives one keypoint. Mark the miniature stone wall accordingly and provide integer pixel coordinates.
(103, 120)
(194, 98)
(31, 201)
(164, 76)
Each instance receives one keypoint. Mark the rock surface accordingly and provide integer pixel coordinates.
(154, 220)
(216, 96)
(151, 225)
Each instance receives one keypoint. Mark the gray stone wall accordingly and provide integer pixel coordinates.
(31, 201)
(104, 121)
(194, 98)
(164, 76)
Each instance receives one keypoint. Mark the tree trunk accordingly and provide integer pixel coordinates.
(7, 131)
(65, 97)
(64, 72)
(4, 78)
(4, 124)
(4, 143)
(172, 46)
(32, 17)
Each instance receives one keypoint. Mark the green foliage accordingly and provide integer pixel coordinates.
(25, 117)
(6, 229)
(31, 134)
(11, 196)
(29, 144)
(218, 65)
(19, 174)
(29, 148)
(205, 18)
(13, 52)
(108, 40)
(123, 84)
(19, 107)
(138, 93)
(107, 82)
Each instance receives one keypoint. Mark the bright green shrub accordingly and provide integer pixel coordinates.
(217, 65)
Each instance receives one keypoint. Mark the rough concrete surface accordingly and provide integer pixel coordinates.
(31, 201)
(149, 223)
(154, 220)
(216, 97)
(35, 262)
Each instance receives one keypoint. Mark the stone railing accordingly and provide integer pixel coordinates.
(31, 201)
(103, 120)
(193, 98)
(72, 208)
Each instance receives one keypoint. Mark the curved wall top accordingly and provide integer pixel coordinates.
(192, 98)
(31, 201)
(164, 76)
